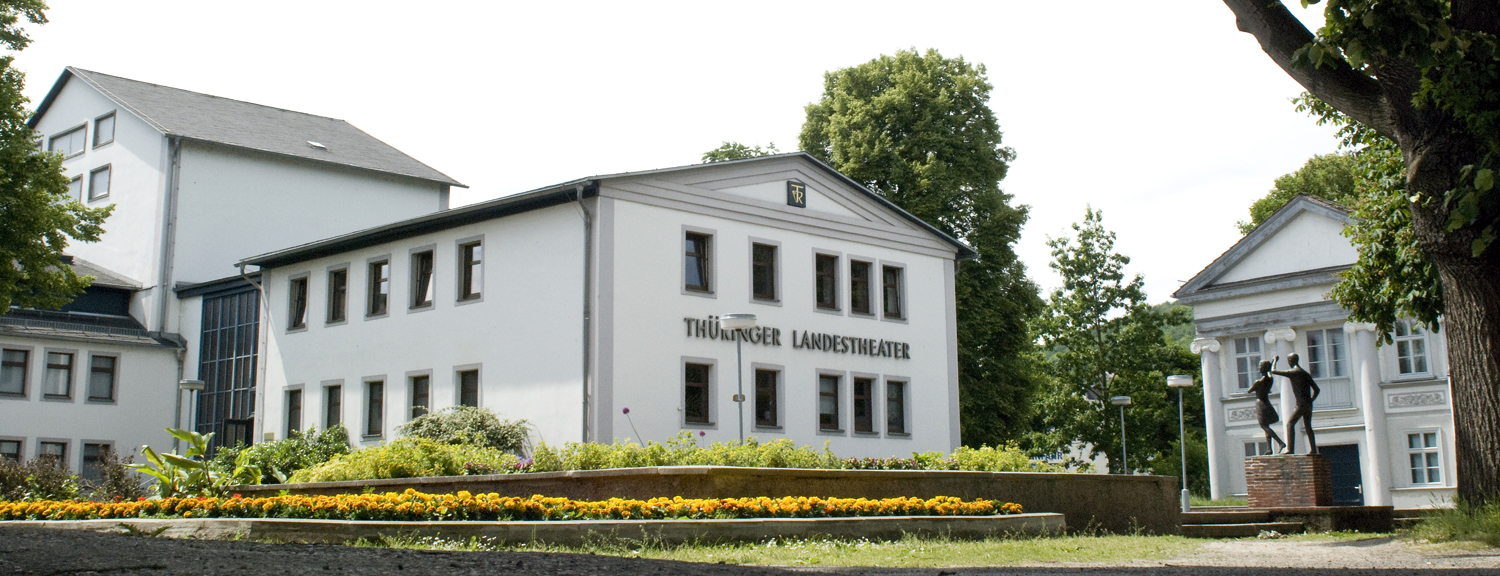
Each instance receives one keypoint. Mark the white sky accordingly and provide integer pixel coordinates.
(1159, 113)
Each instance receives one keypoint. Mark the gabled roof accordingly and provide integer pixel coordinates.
(542, 198)
(1202, 286)
(206, 118)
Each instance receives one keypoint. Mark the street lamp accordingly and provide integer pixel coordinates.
(739, 322)
(184, 385)
(1179, 382)
(1122, 402)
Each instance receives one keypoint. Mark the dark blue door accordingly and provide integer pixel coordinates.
(1344, 472)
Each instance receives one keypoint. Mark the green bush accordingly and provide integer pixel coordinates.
(468, 425)
(116, 480)
(1464, 523)
(41, 478)
(279, 459)
(408, 458)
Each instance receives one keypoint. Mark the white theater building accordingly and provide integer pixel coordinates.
(1384, 418)
(566, 305)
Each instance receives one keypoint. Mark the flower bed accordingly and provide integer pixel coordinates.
(415, 506)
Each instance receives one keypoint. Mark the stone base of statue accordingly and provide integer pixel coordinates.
(1288, 481)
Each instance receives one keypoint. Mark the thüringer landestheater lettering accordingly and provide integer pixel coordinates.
(831, 343)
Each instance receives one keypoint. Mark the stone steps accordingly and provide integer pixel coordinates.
(1239, 530)
(1242, 516)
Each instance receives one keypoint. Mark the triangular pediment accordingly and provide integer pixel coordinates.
(1303, 238)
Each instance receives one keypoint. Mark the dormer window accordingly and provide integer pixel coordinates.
(318, 145)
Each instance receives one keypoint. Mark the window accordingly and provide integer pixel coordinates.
(1253, 449)
(421, 279)
(696, 265)
(695, 392)
(864, 405)
(421, 395)
(380, 288)
(374, 407)
(75, 188)
(293, 412)
(11, 450)
(895, 407)
(1411, 347)
(333, 406)
(102, 378)
(13, 369)
(763, 271)
(104, 129)
(890, 284)
(766, 404)
(859, 287)
(93, 461)
(828, 402)
(1426, 459)
(826, 270)
(58, 382)
(472, 284)
(70, 143)
(468, 388)
(298, 313)
(338, 295)
(99, 183)
(1325, 353)
(1246, 361)
(57, 452)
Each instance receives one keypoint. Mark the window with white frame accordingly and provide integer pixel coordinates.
(298, 304)
(103, 373)
(70, 143)
(104, 129)
(99, 182)
(58, 382)
(1325, 353)
(1411, 347)
(57, 452)
(94, 457)
(374, 407)
(1246, 361)
(14, 365)
(1426, 458)
(10, 450)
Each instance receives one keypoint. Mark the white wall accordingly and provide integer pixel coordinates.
(1308, 242)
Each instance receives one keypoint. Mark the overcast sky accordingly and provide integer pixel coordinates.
(1159, 113)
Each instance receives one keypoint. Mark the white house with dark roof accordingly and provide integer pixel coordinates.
(1384, 418)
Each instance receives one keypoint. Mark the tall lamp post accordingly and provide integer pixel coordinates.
(185, 386)
(739, 322)
(1179, 382)
(1122, 402)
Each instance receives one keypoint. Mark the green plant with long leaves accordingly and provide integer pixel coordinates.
(191, 473)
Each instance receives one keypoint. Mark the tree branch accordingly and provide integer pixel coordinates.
(1280, 35)
(1477, 15)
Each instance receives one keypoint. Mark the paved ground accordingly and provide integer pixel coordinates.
(68, 552)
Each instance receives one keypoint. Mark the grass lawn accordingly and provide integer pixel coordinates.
(1196, 500)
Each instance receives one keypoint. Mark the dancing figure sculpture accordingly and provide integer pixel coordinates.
(1265, 414)
(1305, 391)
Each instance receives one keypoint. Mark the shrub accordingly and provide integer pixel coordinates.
(279, 459)
(116, 480)
(41, 478)
(1463, 523)
(468, 425)
(192, 473)
(407, 458)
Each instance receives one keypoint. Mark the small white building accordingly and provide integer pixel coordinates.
(1384, 418)
(567, 305)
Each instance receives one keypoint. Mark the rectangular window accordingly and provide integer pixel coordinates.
(14, 365)
(763, 271)
(421, 279)
(1411, 347)
(380, 288)
(472, 284)
(859, 287)
(766, 402)
(75, 188)
(1246, 361)
(104, 129)
(11, 450)
(338, 295)
(99, 183)
(298, 312)
(890, 284)
(695, 392)
(93, 461)
(696, 265)
(57, 452)
(1253, 449)
(895, 407)
(1325, 353)
(421, 395)
(70, 143)
(864, 405)
(1426, 458)
(293, 412)
(333, 406)
(468, 388)
(59, 379)
(828, 402)
(826, 271)
(374, 407)
(102, 373)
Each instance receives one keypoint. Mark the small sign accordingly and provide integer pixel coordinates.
(796, 194)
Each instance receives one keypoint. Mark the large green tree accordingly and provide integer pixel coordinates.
(1329, 176)
(1107, 341)
(1424, 74)
(37, 214)
(917, 129)
(736, 151)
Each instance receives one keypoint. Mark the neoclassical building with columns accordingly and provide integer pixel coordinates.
(1384, 418)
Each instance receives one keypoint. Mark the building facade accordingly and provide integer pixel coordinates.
(1383, 418)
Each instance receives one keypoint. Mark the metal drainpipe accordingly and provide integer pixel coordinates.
(169, 230)
(588, 292)
(264, 327)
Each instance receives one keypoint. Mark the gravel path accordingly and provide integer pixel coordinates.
(66, 552)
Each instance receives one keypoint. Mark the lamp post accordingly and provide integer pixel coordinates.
(1179, 382)
(737, 322)
(189, 386)
(1122, 402)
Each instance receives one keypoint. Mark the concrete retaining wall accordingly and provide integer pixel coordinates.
(1107, 502)
(573, 533)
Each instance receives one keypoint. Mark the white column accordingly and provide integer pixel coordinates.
(1281, 339)
(1213, 417)
(1377, 472)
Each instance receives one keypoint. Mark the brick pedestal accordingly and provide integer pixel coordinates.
(1288, 481)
